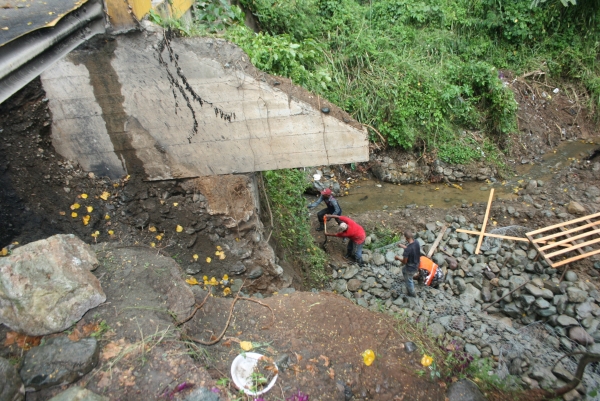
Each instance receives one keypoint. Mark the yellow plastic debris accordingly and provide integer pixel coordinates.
(426, 360)
(368, 357)
(246, 345)
(179, 228)
(192, 281)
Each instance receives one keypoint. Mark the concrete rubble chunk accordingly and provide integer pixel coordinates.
(52, 282)
(59, 361)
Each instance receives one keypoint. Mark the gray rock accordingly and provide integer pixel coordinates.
(575, 208)
(584, 310)
(541, 303)
(576, 295)
(566, 321)
(486, 294)
(255, 273)
(390, 256)
(236, 285)
(464, 390)
(11, 386)
(60, 361)
(237, 268)
(354, 284)
(512, 310)
(562, 373)
(571, 276)
(410, 347)
(436, 330)
(547, 312)
(77, 393)
(52, 282)
(469, 248)
(580, 336)
(547, 294)
(472, 350)
(350, 272)
(533, 290)
(202, 394)
(527, 299)
(340, 286)
(378, 259)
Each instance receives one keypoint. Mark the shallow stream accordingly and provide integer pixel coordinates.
(373, 195)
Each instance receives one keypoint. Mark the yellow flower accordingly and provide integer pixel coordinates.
(106, 217)
(152, 244)
(217, 253)
(105, 194)
(208, 260)
(83, 196)
(225, 277)
(192, 281)
(179, 228)
(246, 345)
(219, 247)
(4, 252)
(195, 257)
(110, 232)
(205, 278)
(75, 206)
(159, 237)
(86, 220)
(222, 256)
(152, 229)
(426, 360)
(227, 291)
(90, 209)
(96, 234)
(213, 281)
(74, 214)
(368, 357)
(175, 204)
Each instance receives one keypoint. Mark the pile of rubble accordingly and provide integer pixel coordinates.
(525, 332)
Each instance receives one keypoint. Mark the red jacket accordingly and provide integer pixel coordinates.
(355, 232)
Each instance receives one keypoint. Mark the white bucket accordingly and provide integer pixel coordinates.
(241, 370)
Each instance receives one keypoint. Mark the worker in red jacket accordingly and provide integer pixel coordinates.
(352, 230)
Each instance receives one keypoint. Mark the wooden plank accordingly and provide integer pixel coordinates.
(460, 230)
(574, 258)
(569, 231)
(590, 216)
(569, 239)
(485, 218)
(574, 247)
(437, 241)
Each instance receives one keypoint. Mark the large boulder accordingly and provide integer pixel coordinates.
(59, 361)
(77, 393)
(11, 386)
(47, 285)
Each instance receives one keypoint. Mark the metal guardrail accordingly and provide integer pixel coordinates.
(26, 57)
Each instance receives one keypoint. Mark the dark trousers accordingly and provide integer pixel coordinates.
(355, 250)
(323, 212)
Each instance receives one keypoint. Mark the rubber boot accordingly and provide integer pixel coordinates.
(321, 227)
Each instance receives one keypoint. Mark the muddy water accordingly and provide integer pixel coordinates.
(373, 195)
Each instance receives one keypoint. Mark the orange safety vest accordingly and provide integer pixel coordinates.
(428, 265)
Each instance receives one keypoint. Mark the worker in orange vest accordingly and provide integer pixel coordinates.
(430, 273)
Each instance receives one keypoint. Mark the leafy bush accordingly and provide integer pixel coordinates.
(285, 189)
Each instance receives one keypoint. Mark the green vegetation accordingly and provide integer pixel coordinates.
(291, 226)
(385, 236)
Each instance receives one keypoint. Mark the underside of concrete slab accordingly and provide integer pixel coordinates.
(186, 107)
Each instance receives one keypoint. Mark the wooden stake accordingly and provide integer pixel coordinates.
(437, 241)
(485, 218)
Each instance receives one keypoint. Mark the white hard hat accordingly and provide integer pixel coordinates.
(343, 226)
